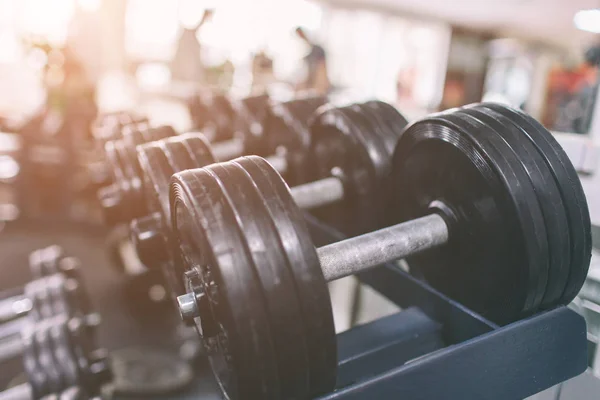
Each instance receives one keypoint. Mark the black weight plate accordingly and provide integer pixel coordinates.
(287, 124)
(390, 117)
(65, 350)
(160, 160)
(257, 105)
(549, 199)
(45, 356)
(570, 187)
(45, 261)
(206, 241)
(35, 375)
(61, 302)
(310, 283)
(486, 264)
(148, 372)
(339, 143)
(506, 161)
(267, 255)
(41, 306)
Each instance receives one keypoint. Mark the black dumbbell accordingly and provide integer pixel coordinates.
(122, 195)
(59, 357)
(487, 206)
(109, 126)
(356, 137)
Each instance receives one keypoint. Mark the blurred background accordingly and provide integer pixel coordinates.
(420, 55)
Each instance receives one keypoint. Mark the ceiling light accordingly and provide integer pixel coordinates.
(588, 20)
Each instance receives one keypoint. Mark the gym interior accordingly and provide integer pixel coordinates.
(299, 199)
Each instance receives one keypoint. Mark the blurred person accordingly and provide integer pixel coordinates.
(187, 63)
(315, 61)
(575, 111)
(262, 72)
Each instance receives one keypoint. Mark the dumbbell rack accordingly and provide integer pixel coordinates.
(437, 349)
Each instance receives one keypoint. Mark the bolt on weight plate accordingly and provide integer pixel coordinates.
(571, 191)
(311, 287)
(493, 262)
(241, 353)
(264, 249)
(549, 198)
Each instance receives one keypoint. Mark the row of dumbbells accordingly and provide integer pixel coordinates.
(481, 200)
(51, 326)
(301, 136)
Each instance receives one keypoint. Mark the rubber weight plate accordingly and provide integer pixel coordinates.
(571, 190)
(267, 256)
(388, 116)
(45, 356)
(341, 143)
(549, 198)
(523, 194)
(234, 323)
(35, 375)
(160, 160)
(490, 264)
(287, 126)
(311, 287)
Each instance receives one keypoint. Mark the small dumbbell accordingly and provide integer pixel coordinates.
(487, 206)
(109, 126)
(59, 357)
(56, 279)
(122, 196)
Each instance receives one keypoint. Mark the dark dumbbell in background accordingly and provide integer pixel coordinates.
(109, 126)
(54, 274)
(60, 357)
(358, 139)
(486, 204)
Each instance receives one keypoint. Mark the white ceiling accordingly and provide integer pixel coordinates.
(547, 20)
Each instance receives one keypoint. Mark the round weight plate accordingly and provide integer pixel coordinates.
(148, 372)
(311, 287)
(549, 198)
(63, 354)
(389, 117)
(35, 375)
(60, 301)
(257, 105)
(506, 161)
(37, 292)
(267, 255)
(492, 260)
(223, 115)
(570, 187)
(339, 142)
(160, 160)
(287, 124)
(207, 242)
(45, 356)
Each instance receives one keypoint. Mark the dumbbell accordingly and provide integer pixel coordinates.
(485, 204)
(59, 358)
(109, 126)
(359, 132)
(56, 289)
(123, 193)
